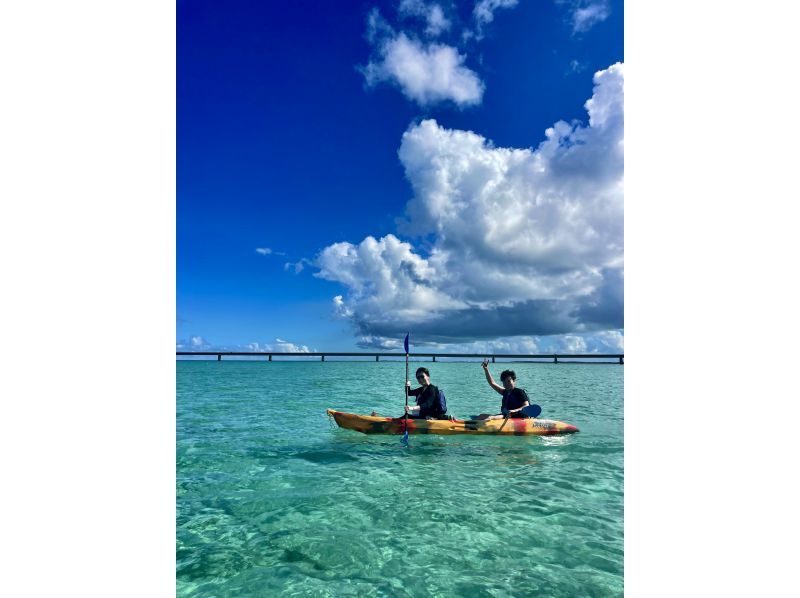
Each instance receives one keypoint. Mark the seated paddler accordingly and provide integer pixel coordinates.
(430, 400)
(514, 399)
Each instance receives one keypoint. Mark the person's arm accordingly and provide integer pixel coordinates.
(525, 401)
(412, 393)
(525, 404)
(489, 378)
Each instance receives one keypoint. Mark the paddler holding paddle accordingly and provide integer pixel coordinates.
(429, 404)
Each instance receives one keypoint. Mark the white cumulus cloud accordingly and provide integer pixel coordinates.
(571, 343)
(384, 276)
(263, 250)
(522, 241)
(426, 73)
(280, 346)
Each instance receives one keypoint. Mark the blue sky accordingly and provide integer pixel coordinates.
(349, 171)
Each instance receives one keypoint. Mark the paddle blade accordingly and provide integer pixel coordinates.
(404, 439)
(405, 343)
(532, 410)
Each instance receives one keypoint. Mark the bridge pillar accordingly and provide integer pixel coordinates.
(219, 357)
(323, 358)
(555, 358)
(270, 358)
(377, 358)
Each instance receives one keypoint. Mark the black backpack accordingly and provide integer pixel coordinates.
(442, 402)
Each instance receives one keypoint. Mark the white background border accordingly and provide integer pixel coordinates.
(88, 307)
(88, 301)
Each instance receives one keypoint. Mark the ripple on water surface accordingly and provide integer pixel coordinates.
(274, 499)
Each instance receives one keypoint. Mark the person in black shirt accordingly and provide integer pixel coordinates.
(427, 397)
(428, 404)
(514, 399)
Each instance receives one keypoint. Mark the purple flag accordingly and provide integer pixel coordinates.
(405, 343)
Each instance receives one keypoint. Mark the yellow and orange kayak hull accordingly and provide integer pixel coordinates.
(368, 424)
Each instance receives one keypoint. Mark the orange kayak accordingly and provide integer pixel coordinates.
(367, 424)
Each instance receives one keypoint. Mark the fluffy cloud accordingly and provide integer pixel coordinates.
(435, 20)
(425, 73)
(195, 343)
(279, 345)
(297, 266)
(609, 341)
(585, 14)
(522, 241)
(198, 343)
(380, 343)
(428, 72)
(384, 274)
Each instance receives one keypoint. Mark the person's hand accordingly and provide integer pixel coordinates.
(485, 364)
(407, 409)
(505, 412)
(408, 383)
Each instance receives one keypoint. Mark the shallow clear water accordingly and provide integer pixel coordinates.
(273, 498)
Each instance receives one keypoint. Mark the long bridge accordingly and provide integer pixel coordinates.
(546, 357)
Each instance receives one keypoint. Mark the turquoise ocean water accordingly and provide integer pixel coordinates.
(274, 499)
